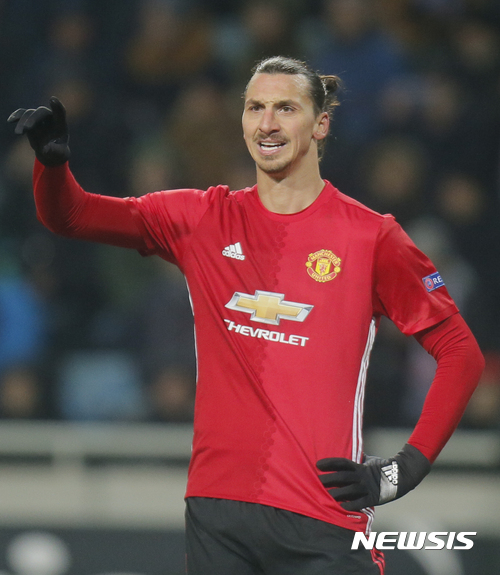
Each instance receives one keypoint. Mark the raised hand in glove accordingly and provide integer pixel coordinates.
(47, 131)
(375, 481)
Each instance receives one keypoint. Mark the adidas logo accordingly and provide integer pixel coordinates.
(234, 251)
(391, 472)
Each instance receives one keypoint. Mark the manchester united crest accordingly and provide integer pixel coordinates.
(323, 266)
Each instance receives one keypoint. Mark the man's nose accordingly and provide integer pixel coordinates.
(268, 122)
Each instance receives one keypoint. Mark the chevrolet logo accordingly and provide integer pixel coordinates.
(268, 307)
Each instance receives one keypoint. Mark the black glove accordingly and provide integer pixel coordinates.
(375, 481)
(47, 131)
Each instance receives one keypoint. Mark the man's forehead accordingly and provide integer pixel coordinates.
(264, 86)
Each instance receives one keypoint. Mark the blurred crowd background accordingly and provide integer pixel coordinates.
(153, 93)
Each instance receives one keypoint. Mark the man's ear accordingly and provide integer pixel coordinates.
(322, 126)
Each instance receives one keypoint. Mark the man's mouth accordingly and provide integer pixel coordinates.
(270, 147)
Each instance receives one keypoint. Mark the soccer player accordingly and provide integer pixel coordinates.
(288, 281)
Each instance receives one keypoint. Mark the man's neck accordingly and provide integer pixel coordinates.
(288, 194)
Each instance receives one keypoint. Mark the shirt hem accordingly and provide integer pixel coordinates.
(325, 518)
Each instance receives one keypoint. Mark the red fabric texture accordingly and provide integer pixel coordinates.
(68, 210)
(398, 270)
(460, 364)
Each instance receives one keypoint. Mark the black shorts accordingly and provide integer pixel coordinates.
(235, 538)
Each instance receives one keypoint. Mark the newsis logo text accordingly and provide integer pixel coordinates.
(414, 540)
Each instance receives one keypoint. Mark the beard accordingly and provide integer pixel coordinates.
(273, 166)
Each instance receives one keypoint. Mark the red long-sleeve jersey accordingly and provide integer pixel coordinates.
(286, 309)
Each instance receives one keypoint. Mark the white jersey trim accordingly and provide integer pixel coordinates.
(369, 512)
(357, 421)
(194, 328)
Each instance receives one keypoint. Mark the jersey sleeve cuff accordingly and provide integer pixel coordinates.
(150, 247)
(430, 321)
